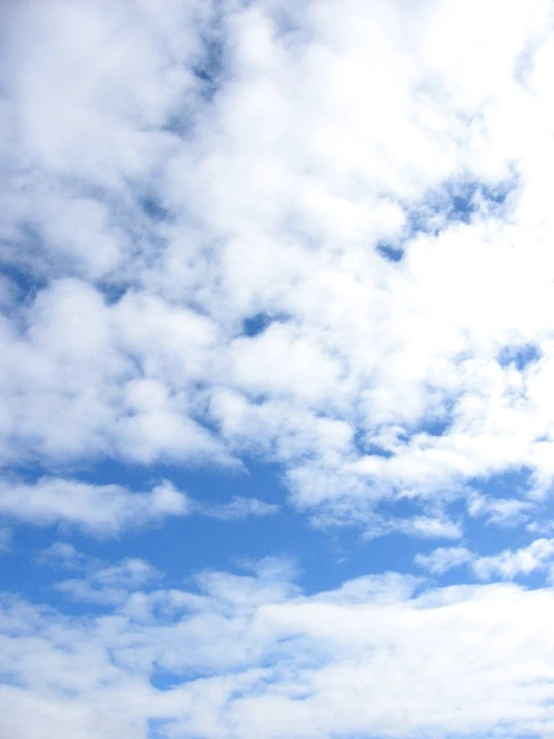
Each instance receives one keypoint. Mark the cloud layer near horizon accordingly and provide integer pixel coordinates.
(252, 656)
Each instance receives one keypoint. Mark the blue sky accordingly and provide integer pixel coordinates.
(276, 369)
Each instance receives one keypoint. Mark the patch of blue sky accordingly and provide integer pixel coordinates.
(112, 292)
(22, 261)
(393, 552)
(519, 356)
(180, 547)
(23, 285)
(512, 483)
(26, 283)
(433, 426)
(390, 253)
(167, 679)
(456, 201)
(256, 324)
(493, 530)
(158, 728)
(486, 537)
(153, 208)
(367, 447)
(209, 67)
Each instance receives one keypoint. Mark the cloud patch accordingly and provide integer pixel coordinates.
(97, 509)
(371, 657)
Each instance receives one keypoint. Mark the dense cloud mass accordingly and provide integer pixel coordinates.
(307, 244)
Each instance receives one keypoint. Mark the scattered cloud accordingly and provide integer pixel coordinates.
(238, 508)
(108, 510)
(506, 565)
(311, 238)
(111, 584)
(350, 135)
(509, 564)
(253, 656)
(98, 509)
(443, 559)
(62, 554)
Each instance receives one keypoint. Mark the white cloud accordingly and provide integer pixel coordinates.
(115, 378)
(502, 511)
(254, 657)
(238, 508)
(324, 132)
(97, 509)
(443, 559)
(62, 554)
(506, 565)
(172, 169)
(509, 563)
(282, 361)
(107, 510)
(428, 527)
(111, 585)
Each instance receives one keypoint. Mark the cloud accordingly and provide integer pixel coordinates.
(238, 508)
(62, 554)
(358, 133)
(509, 564)
(506, 565)
(108, 510)
(97, 509)
(316, 235)
(502, 511)
(110, 585)
(252, 656)
(443, 559)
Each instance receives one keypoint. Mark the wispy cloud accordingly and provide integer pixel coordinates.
(238, 508)
(108, 510)
(506, 565)
(98, 509)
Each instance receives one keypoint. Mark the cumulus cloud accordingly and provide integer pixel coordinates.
(98, 509)
(315, 235)
(253, 656)
(108, 510)
(370, 181)
(62, 554)
(507, 565)
(443, 559)
(110, 585)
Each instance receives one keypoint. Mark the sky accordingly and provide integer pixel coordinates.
(276, 369)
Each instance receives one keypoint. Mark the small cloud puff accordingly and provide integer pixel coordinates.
(97, 509)
(238, 508)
